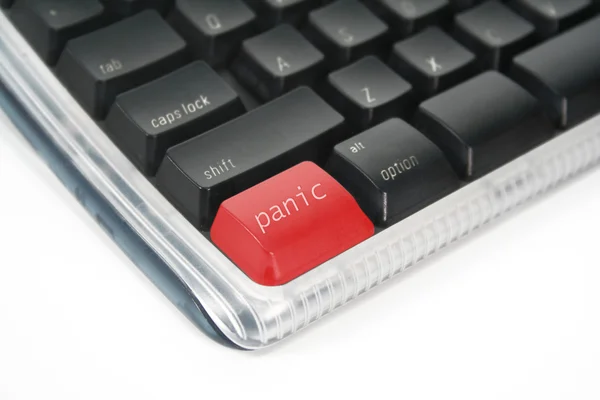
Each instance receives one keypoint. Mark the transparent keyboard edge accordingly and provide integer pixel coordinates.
(252, 316)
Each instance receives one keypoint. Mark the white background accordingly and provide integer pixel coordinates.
(512, 313)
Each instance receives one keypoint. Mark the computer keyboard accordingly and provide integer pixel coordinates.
(289, 131)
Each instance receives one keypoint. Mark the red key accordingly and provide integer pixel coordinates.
(289, 224)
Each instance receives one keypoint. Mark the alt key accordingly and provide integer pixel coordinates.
(392, 170)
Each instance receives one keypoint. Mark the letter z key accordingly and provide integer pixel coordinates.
(289, 224)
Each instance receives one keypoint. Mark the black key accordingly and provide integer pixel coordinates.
(275, 12)
(392, 170)
(346, 31)
(214, 29)
(368, 92)
(100, 65)
(495, 33)
(201, 173)
(406, 17)
(278, 61)
(483, 123)
(49, 24)
(460, 5)
(129, 7)
(249, 101)
(146, 121)
(553, 16)
(432, 61)
(564, 73)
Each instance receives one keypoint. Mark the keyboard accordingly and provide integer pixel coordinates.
(292, 133)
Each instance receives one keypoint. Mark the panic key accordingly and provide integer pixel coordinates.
(289, 224)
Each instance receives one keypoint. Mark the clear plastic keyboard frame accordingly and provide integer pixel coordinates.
(250, 315)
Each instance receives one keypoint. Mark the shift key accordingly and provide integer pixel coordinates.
(198, 175)
(146, 121)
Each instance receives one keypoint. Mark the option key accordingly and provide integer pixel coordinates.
(393, 171)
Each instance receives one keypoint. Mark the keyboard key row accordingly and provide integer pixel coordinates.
(391, 169)
(155, 101)
(342, 29)
(281, 59)
(368, 92)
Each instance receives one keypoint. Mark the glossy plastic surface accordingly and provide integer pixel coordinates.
(289, 224)
(250, 315)
(114, 226)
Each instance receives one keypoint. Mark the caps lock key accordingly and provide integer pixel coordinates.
(146, 121)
